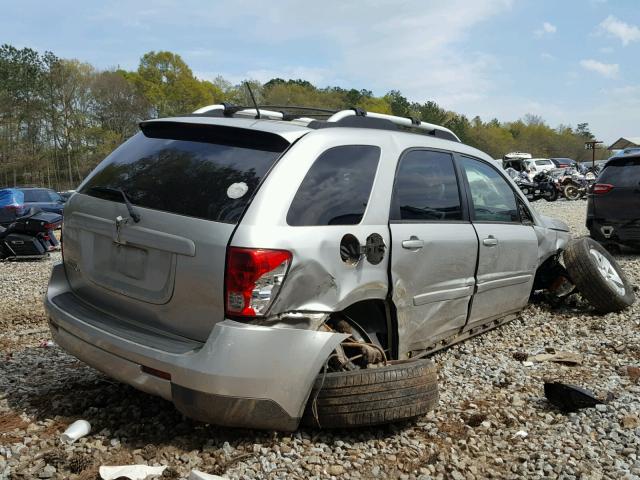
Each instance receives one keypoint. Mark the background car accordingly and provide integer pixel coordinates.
(613, 207)
(43, 198)
(537, 165)
(564, 162)
(11, 205)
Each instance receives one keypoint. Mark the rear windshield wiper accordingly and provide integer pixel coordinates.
(120, 192)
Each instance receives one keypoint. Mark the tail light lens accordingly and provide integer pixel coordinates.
(253, 279)
(602, 188)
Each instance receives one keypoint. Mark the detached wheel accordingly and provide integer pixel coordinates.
(598, 276)
(373, 396)
(571, 192)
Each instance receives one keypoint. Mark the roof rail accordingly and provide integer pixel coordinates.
(354, 117)
(399, 121)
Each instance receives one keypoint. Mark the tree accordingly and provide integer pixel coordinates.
(583, 131)
(169, 86)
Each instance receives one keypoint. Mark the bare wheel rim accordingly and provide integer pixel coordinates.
(608, 272)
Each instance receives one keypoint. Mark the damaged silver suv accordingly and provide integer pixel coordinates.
(259, 267)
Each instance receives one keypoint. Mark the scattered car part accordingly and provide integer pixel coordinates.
(569, 398)
(557, 357)
(132, 472)
(76, 430)
(401, 390)
(598, 276)
(198, 475)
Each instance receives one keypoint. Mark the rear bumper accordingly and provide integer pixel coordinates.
(614, 231)
(242, 376)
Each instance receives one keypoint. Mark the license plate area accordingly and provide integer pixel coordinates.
(129, 261)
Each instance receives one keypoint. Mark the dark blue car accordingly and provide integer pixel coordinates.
(11, 205)
(43, 198)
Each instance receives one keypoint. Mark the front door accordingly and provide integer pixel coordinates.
(508, 249)
(434, 250)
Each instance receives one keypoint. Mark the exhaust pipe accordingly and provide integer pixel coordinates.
(606, 231)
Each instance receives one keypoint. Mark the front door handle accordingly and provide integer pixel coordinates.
(490, 241)
(414, 243)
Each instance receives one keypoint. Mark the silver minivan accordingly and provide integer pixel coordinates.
(258, 267)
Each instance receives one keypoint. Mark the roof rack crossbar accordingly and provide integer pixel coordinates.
(400, 121)
(335, 117)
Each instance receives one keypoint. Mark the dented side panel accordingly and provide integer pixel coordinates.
(318, 279)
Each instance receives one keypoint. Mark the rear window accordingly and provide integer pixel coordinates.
(36, 195)
(337, 187)
(202, 171)
(544, 163)
(621, 173)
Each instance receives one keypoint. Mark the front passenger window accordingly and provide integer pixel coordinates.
(492, 197)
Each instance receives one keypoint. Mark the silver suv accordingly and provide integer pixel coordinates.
(258, 267)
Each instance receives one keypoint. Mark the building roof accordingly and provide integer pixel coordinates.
(625, 142)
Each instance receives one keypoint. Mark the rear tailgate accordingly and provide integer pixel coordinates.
(190, 184)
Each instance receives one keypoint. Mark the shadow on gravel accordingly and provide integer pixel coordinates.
(58, 385)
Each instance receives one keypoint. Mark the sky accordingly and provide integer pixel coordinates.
(568, 61)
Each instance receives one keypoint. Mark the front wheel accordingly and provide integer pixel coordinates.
(397, 392)
(572, 192)
(598, 276)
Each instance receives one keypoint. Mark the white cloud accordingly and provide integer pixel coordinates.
(625, 32)
(606, 50)
(547, 56)
(609, 70)
(546, 29)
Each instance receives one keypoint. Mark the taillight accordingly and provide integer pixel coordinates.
(253, 278)
(601, 188)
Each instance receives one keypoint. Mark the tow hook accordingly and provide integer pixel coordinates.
(606, 231)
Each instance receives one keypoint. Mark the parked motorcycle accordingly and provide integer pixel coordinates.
(541, 186)
(576, 185)
(30, 236)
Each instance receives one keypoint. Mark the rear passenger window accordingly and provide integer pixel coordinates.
(426, 188)
(622, 173)
(492, 197)
(337, 187)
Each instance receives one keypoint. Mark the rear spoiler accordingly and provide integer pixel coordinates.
(219, 134)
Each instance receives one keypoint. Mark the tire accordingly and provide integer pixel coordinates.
(551, 196)
(373, 396)
(582, 264)
(571, 192)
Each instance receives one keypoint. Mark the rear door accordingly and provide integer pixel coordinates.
(189, 184)
(508, 249)
(434, 249)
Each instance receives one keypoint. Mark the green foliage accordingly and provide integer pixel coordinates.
(59, 118)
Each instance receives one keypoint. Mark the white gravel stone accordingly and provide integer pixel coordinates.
(43, 390)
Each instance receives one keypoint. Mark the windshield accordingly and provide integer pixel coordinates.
(204, 172)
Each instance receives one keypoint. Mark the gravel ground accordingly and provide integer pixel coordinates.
(486, 397)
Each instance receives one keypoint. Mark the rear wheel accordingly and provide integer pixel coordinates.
(571, 192)
(373, 396)
(598, 276)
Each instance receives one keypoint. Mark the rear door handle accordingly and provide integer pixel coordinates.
(490, 241)
(414, 243)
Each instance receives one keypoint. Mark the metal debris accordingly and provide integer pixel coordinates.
(569, 398)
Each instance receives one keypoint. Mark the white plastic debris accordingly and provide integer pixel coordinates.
(46, 344)
(132, 472)
(76, 430)
(520, 434)
(237, 190)
(198, 475)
